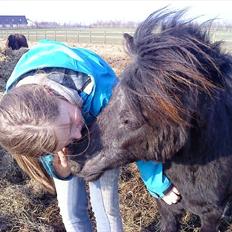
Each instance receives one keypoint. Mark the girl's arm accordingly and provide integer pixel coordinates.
(156, 182)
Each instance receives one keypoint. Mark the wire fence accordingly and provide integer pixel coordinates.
(113, 36)
(93, 35)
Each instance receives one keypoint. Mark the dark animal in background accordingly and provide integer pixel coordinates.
(16, 41)
(173, 104)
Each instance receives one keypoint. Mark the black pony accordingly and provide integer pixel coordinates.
(173, 104)
(16, 41)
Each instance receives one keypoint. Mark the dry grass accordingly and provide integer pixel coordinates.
(26, 208)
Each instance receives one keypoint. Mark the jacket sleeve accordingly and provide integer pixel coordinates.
(47, 163)
(152, 175)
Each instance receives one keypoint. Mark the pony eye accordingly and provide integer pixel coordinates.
(126, 121)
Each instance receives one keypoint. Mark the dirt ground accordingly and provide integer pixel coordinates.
(25, 207)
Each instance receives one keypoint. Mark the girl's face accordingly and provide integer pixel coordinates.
(68, 124)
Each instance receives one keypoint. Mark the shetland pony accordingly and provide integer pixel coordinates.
(16, 41)
(173, 104)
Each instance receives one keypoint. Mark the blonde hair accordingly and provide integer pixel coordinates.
(27, 114)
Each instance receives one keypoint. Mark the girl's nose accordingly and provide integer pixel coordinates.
(76, 133)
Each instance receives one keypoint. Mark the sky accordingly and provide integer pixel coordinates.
(89, 11)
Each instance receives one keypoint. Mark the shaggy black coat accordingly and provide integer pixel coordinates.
(16, 41)
(173, 104)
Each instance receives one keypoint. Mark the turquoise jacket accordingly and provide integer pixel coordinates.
(55, 54)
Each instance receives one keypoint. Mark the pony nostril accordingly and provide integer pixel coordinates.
(147, 146)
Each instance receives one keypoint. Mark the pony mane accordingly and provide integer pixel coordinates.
(173, 62)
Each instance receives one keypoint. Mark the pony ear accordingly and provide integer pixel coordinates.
(129, 41)
(128, 38)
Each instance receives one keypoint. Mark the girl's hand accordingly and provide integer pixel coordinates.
(61, 164)
(172, 197)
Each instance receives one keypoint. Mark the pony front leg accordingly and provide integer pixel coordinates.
(210, 221)
(170, 216)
